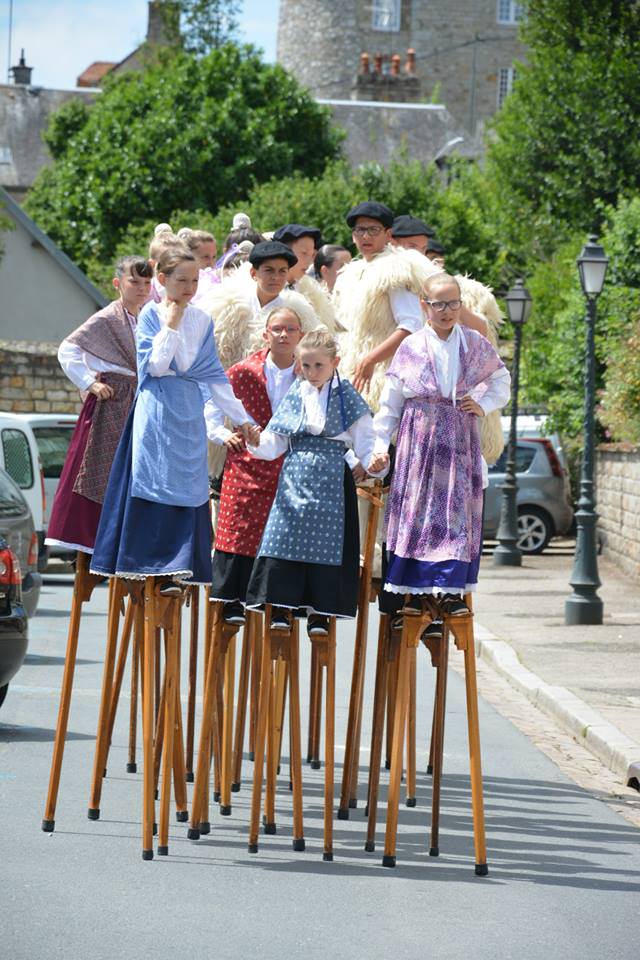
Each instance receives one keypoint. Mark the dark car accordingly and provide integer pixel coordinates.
(13, 618)
(543, 501)
(17, 528)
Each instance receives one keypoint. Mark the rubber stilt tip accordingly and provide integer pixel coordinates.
(353, 803)
(163, 851)
(193, 834)
(204, 827)
(225, 811)
(278, 770)
(388, 861)
(270, 828)
(327, 857)
(429, 770)
(147, 854)
(387, 764)
(434, 851)
(216, 797)
(104, 772)
(290, 786)
(410, 801)
(253, 848)
(132, 768)
(48, 826)
(315, 764)
(298, 844)
(182, 816)
(366, 811)
(156, 795)
(343, 813)
(155, 829)
(370, 846)
(93, 813)
(482, 870)
(189, 777)
(235, 787)
(252, 756)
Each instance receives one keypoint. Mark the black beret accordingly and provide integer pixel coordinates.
(373, 210)
(271, 250)
(293, 231)
(434, 247)
(406, 226)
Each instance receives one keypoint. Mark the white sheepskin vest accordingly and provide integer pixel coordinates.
(361, 301)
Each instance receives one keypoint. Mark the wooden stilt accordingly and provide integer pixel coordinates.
(119, 675)
(295, 739)
(441, 663)
(261, 732)
(148, 710)
(349, 786)
(102, 737)
(243, 696)
(171, 682)
(375, 754)
(194, 601)
(411, 733)
(199, 802)
(329, 738)
(83, 587)
(226, 759)
(138, 630)
(256, 661)
(315, 710)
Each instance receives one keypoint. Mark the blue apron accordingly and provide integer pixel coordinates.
(306, 522)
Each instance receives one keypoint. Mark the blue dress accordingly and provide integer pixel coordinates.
(309, 556)
(156, 518)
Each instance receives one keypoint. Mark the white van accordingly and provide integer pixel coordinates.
(20, 458)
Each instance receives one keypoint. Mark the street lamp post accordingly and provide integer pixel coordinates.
(507, 553)
(584, 606)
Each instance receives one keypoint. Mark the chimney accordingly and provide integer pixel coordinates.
(22, 73)
(410, 65)
(163, 24)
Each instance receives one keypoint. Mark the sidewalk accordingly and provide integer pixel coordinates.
(586, 678)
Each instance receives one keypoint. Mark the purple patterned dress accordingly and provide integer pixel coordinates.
(434, 511)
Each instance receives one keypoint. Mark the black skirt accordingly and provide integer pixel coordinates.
(318, 587)
(231, 575)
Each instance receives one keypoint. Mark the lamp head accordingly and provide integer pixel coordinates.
(592, 267)
(518, 303)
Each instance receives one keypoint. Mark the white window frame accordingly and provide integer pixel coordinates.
(386, 15)
(508, 12)
(506, 80)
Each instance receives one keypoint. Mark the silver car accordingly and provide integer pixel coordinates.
(16, 526)
(543, 498)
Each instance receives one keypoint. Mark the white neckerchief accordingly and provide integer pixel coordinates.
(446, 357)
(315, 405)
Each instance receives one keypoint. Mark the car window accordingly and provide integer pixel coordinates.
(53, 443)
(17, 458)
(11, 503)
(524, 459)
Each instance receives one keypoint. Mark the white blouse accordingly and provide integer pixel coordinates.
(360, 435)
(182, 345)
(81, 367)
(278, 383)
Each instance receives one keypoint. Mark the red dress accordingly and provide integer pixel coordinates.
(248, 485)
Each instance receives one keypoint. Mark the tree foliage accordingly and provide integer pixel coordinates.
(188, 132)
(567, 139)
(208, 24)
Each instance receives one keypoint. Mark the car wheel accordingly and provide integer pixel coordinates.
(535, 529)
(3, 693)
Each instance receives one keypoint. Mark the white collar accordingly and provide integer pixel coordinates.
(275, 369)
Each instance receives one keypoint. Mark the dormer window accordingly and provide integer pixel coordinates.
(385, 15)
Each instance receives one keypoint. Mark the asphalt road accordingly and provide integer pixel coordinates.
(564, 869)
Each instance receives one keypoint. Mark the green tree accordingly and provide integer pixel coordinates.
(186, 133)
(208, 24)
(567, 138)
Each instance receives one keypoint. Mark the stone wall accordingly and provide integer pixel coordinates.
(618, 496)
(32, 381)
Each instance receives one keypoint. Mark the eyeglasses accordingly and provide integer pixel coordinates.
(441, 305)
(279, 330)
(367, 231)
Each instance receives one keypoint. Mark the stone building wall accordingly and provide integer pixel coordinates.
(32, 381)
(618, 506)
(459, 45)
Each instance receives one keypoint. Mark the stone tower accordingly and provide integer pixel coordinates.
(457, 52)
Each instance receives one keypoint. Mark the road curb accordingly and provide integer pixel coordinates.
(610, 745)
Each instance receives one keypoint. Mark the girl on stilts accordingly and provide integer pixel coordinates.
(308, 558)
(156, 518)
(441, 380)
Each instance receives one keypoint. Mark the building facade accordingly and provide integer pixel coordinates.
(459, 53)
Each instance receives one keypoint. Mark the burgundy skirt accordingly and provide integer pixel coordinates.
(74, 519)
